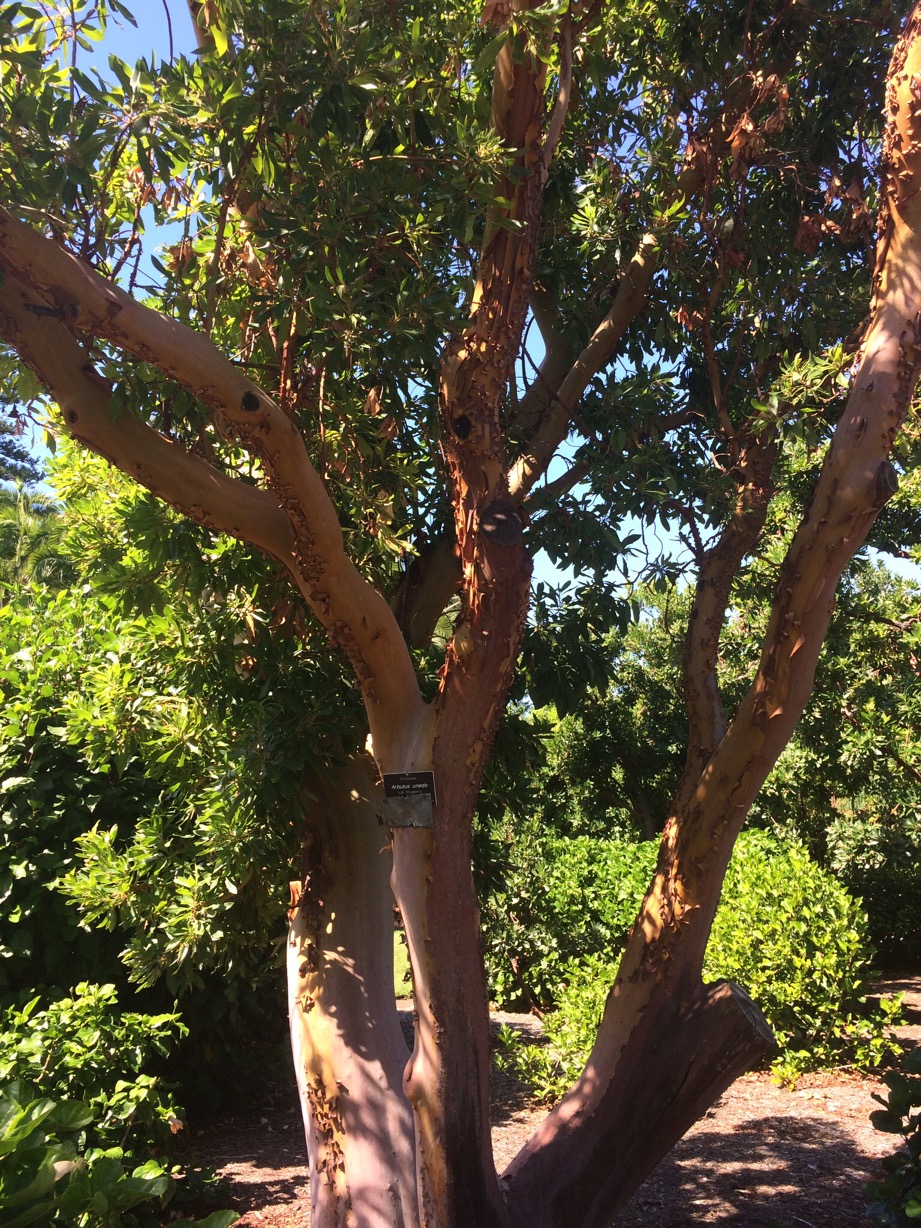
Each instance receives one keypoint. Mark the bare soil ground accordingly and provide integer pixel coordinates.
(763, 1157)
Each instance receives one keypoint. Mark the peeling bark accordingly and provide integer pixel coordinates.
(447, 1079)
(671, 1048)
(44, 280)
(406, 1142)
(659, 976)
(185, 481)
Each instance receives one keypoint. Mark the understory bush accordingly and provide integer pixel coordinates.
(786, 931)
(49, 1172)
(559, 901)
(86, 1126)
(897, 1198)
(141, 802)
(82, 1048)
(878, 858)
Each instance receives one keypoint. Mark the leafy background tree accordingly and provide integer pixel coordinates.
(17, 464)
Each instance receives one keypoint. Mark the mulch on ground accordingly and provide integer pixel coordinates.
(762, 1157)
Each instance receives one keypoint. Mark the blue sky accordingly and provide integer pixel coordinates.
(152, 33)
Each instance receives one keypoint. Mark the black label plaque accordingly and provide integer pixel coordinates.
(409, 799)
(409, 784)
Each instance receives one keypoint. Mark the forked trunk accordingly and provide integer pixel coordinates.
(671, 1048)
(398, 1140)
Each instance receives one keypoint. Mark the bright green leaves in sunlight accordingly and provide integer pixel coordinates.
(153, 744)
(296, 188)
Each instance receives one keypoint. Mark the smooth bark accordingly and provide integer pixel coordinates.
(349, 1053)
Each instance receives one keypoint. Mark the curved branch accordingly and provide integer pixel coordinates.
(628, 302)
(178, 477)
(558, 358)
(355, 614)
(667, 944)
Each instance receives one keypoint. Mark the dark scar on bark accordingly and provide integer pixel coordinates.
(500, 522)
(250, 402)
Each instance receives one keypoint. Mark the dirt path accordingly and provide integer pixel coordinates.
(763, 1157)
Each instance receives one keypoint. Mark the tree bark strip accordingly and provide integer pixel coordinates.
(349, 1052)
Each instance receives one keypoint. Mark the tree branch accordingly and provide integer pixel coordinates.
(628, 302)
(179, 477)
(717, 572)
(426, 589)
(564, 95)
(357, 617)
(558, 358)
(667, 944)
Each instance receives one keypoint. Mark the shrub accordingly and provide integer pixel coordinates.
(588, 897)
(878, 858)
(787, 931)
(897, 1198)
(551, 1067)
(798, 942)
(47, 1171)
(82, 1048)
(46, 1174)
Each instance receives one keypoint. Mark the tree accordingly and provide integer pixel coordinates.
(374, 210)
(16, 465)
(30, 530)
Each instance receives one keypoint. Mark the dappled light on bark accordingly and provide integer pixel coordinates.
(396, 1137)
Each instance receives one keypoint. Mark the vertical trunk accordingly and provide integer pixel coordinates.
(348, 1051)
(447, 1080)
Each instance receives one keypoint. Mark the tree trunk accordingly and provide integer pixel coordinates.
(348, 1050)
(671, 1048)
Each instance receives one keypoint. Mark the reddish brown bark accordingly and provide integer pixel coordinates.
(675, 1047)
(447, 1080)
(662, 964)
(716, 574)
(411, 1145)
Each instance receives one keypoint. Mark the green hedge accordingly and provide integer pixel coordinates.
(86, 1128)
(786, 930)
(559, 901)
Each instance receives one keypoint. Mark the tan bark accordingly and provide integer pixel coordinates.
(181, 478)
(348, 1050)
(58, 288)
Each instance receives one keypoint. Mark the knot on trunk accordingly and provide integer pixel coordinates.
(499, 523)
